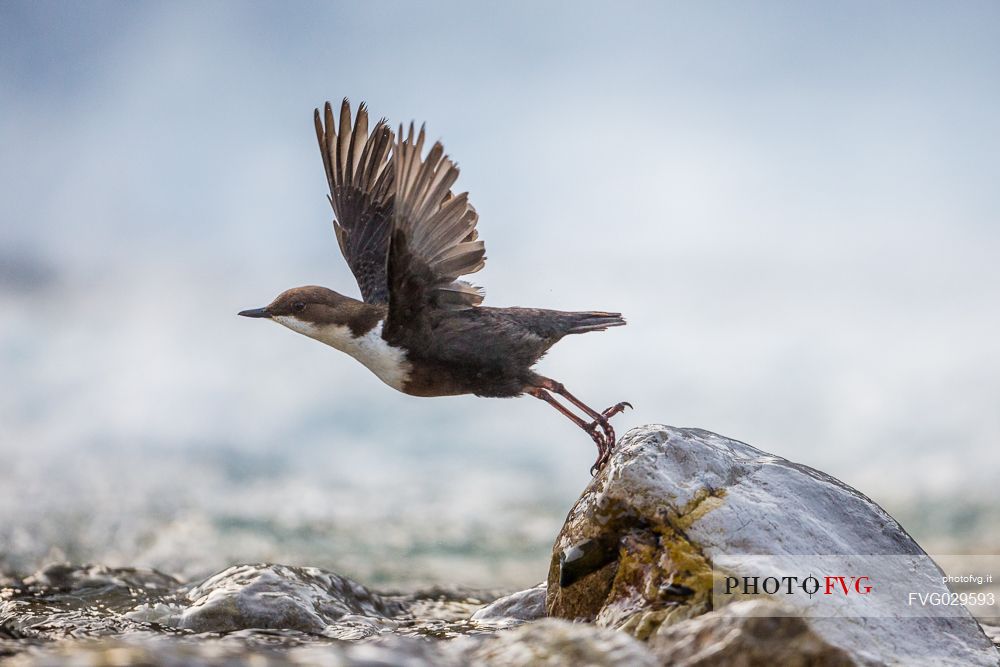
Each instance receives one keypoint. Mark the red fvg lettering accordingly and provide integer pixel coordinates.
(858, 584)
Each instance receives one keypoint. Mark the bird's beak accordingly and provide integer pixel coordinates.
(255, 312)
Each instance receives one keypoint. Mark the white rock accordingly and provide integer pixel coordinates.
(644, 535)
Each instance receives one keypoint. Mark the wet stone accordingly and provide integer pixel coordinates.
(629, 583)
(278, 596)
(527, 605)
(278, 614)
(637, 550)
(750, 633)
(554, 642)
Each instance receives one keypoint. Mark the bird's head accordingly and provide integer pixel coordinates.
(312, 310)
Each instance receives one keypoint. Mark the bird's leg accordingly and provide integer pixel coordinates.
(603, 449)
(599, 418)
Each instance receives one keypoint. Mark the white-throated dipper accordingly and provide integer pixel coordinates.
(407, 238)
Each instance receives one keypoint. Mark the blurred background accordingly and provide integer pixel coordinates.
(794, 204)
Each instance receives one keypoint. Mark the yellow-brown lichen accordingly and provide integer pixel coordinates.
(659, 577)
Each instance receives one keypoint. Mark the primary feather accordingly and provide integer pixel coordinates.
(360, 177)
(368, 173)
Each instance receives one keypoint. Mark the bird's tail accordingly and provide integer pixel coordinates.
(594, 321)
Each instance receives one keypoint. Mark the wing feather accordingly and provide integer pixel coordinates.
(387, 199)
(434, 239)
(358, 172)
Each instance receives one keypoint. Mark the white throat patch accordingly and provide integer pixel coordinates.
(387, 362)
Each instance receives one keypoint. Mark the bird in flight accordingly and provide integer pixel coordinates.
(408, 239)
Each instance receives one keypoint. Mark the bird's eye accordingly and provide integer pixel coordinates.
(298, 306)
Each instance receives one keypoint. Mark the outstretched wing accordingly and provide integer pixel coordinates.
(361, 177)
(434, 238)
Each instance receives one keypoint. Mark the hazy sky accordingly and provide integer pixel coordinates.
(794, 204)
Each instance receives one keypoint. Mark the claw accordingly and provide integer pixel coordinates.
(602, 450)
(602, 460)
(616, 408)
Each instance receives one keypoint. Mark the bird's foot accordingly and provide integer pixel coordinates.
(602, 458)
(608, 440)
(616, 408)
(603, 449)
(605, 438)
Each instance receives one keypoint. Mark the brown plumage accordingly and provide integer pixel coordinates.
(408, 239)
